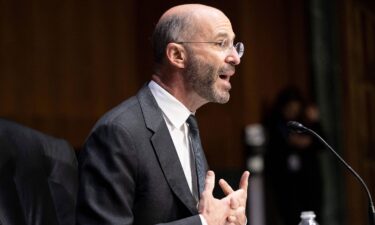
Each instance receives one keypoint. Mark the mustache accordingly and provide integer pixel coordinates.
(227, 69)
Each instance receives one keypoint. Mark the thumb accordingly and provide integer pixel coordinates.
(209, 182)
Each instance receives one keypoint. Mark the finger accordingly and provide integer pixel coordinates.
(234, 203)
(240, 211)
(237, 217)
(240, 215)
(232, 219)
(209, 182)
(225, 187)
(237, 198)
(244, 182)
(207, 192)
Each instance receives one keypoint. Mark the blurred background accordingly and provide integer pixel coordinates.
(64, 63)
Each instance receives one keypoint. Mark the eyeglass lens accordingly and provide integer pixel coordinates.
(239, 49)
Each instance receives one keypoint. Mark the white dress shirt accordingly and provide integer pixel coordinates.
(175, 115)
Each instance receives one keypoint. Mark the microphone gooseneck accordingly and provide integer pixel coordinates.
(299, 128)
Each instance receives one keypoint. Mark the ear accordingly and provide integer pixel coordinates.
(176, 55)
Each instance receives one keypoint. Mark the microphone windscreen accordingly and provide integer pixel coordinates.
(296, 127)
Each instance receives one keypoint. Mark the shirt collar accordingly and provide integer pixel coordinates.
(173, 110)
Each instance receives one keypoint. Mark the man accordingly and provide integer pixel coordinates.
(142, 164)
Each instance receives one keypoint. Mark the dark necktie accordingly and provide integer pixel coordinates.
(200, 159)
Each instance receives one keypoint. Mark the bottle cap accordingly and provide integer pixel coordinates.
(307, 214)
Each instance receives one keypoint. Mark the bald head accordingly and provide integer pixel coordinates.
(179, 23)
(190, 9)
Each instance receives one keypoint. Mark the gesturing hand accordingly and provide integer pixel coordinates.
(237, 199)
(228, 210)
(215, 211)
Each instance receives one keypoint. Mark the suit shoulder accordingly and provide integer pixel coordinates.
(127, 111)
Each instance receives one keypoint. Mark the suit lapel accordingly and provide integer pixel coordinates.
(165, 150)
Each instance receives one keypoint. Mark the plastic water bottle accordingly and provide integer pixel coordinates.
(308, 218)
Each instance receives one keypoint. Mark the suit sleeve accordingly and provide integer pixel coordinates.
(107, 177)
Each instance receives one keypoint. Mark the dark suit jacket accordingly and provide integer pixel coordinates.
(130, 172)
(38, 177)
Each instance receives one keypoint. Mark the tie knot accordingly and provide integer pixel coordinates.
(192, 121)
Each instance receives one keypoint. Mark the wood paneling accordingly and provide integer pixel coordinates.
(64, 63)
(358, 45)
(275, 34)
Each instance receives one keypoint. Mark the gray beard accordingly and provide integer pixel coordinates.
(201, 77)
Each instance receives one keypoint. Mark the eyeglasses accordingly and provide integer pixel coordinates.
(224, 45)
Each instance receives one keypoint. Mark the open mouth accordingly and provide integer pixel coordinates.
(225, 81)
(226, 73)
(224, 77)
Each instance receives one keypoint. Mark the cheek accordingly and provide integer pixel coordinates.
(211, 58)
(209, 65)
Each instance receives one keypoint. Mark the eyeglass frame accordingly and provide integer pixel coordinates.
(233, 46)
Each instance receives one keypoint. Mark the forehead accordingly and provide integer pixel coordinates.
(213, 24)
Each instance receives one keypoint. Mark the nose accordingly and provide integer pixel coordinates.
(233, 57)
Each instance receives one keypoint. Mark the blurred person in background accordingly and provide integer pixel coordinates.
(293, 173)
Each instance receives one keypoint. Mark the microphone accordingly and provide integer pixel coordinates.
(299, 128)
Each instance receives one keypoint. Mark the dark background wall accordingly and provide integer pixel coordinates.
(64, 63)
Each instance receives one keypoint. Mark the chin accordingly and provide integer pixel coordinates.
(222, 99)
